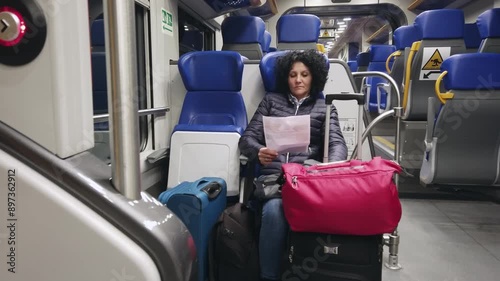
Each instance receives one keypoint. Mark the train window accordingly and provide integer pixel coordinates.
(194, 35)
(347, 30)
(344, 37)
(143, 70)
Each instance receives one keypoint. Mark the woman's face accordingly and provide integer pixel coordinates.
(299, 80)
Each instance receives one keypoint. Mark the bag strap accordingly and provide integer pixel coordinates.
(212, 262)
(248, 187)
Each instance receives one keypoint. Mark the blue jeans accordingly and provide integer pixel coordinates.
(272, 241)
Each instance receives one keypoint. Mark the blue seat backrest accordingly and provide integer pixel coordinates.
(472, 37)
(213, 101)
(267, 42)
(267, 68)
(363, 60)
(353, 65)
(488, 24)
(404, 36)
(245, 35)
(472, 72)
(378, 58)
(297, 32)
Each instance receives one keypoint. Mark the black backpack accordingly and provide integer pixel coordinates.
(233, 249)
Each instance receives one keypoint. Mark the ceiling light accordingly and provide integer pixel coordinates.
(347, 19)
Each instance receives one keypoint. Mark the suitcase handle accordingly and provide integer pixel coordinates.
(360, 98)
(212, 190)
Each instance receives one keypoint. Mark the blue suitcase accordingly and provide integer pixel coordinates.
(198, 204)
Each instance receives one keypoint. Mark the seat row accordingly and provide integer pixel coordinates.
(449, 129)
(480, 36)
(205, 140)
(247, 35)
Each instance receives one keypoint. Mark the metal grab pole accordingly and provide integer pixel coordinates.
(121, 67)
(392, 240)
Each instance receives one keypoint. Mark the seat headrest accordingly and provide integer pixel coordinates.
(353, 65)
(441, 24)
(97, 33)
(380, 53)
(404, 36)
(363, 59)
(474, 71)
(267, 68)
(298, 28)
(488, 23)
(211, 71)
(472, 37)
(267, 41)
(243, 30)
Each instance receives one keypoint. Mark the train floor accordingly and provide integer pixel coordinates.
(448, 240)
(444, 236)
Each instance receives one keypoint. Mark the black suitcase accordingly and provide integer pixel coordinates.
(331, 257)
(327, 257)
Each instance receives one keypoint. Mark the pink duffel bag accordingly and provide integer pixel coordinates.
(352, 198)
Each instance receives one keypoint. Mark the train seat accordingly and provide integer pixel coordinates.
(472, 37)
(439, 41)
(297, 32)
(99, 84)
(212, 119)
(353, 65)
(245, 35)
(363, 59)
(404, 37)
(488, 24)
(376, 100)
(267, 42)
(462, 143)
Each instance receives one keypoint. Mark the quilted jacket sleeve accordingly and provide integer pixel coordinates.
(253, 137)
(337, 149)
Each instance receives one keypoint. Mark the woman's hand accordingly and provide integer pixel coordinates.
(267, 155)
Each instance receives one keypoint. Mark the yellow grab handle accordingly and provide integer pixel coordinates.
(414, 48)
(442, 96)
(395, 54)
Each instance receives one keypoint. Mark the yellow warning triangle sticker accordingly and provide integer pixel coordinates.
(434, 62)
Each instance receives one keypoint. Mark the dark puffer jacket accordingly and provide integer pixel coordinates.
(280, 105)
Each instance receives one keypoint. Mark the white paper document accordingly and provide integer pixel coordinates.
(287, 134)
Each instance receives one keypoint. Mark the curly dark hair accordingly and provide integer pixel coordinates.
(316, 63)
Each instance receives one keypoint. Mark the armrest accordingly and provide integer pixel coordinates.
(243, 159)
(387, 89)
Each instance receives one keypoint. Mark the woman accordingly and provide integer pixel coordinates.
(301, 77)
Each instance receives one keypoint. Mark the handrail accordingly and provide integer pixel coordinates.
(437, 87)
(121, 64)
(396, 111)
(143, 112)
(414, 48)
(395, 54)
